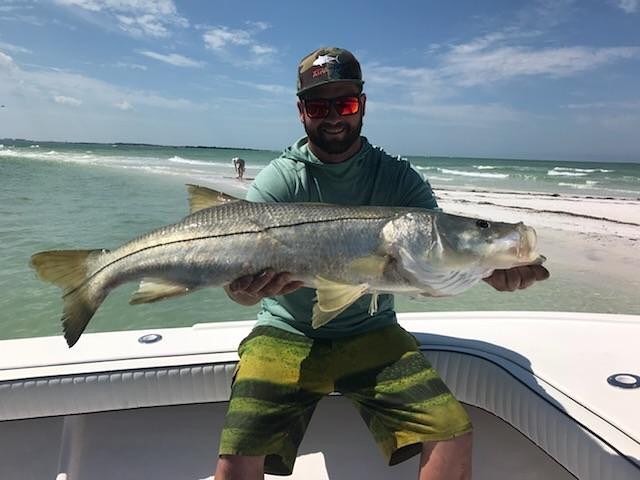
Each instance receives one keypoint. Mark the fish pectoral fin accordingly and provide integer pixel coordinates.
(333, 298)
(202, 197)
(152, 290)
(416, 268)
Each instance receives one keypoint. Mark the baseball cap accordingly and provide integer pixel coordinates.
(327, 65)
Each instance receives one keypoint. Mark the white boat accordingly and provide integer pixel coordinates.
(552, 395)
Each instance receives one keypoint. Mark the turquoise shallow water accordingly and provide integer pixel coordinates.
(60, 196)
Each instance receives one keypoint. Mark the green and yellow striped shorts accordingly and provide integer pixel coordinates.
(282, 376)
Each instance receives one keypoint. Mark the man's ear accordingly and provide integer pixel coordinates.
(363, 101)
(301, 110)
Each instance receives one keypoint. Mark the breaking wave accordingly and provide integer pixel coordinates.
(473, 174)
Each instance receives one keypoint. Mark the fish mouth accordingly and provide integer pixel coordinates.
(526, 249)
(517, 249)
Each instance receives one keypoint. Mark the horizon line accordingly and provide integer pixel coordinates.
(145, 144)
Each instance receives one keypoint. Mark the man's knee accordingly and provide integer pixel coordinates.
(447, 459)
(232, 467)
(459, 447)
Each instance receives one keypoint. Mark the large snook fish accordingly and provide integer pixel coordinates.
(343, 252)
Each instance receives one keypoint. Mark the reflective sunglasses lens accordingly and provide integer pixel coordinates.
(317, 108)
(347, 106)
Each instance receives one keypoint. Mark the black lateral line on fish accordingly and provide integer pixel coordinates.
(205, 237)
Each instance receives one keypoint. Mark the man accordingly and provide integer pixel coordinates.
(238, 165)
(285, 365)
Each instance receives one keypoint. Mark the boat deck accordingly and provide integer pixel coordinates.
(535, 383)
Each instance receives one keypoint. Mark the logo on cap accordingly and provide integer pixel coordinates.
(324, 59)
(319, 71)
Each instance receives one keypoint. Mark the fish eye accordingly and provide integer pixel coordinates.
(482, 223)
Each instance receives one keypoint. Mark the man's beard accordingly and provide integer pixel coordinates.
(332, 145)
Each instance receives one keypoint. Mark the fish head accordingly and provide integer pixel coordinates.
(491, 245)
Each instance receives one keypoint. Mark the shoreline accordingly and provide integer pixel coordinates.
(600, 216)
(555, 195)
(593, 240)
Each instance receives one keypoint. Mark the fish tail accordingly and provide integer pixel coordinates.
(69, 270)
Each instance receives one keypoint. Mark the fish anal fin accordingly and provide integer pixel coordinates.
(333, 298)
(153, 290)
(202, 197)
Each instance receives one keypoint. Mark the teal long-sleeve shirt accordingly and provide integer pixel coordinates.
(371, 177)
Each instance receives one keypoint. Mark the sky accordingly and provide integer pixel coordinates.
(539, 79)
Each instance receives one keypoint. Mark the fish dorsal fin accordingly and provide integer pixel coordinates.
(202, 197)
(152, 290)
(333, 298)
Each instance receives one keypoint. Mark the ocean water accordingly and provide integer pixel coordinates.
(70, 195)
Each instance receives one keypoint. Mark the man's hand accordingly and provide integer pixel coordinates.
(517, 278)
(250, 289)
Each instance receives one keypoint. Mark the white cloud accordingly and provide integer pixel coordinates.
(9, 47)
(17, 6)
(270, 88)
(9, 8)
(154, 7)
(62, 100)
(6, 61)
(262, 49)
(239, 47)
(172, 59)
(629, 105)
(124, 105)
(468, 115)
(481, 61)
(143, 25)
(422, 84)
(20, 18)
(629, 6)
(133, 66)
(548, 13)
(477, 44)
(152, 18)
(434, 92)
(220, 37)
(34, 87)
(259, 26)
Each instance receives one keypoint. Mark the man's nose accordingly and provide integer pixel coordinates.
(333, 113)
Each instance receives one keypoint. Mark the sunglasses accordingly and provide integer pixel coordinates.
(320, 107)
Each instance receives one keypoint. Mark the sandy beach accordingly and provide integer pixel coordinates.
(594, 239)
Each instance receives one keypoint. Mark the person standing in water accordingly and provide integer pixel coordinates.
(238, 165)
